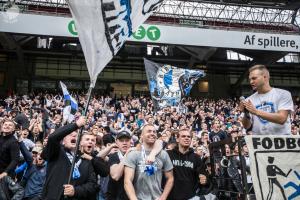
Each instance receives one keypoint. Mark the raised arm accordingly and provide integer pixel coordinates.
(158, 146)
(103, 153)
(53, 145)
(26, 154)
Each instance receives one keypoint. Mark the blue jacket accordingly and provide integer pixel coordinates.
(34, 177)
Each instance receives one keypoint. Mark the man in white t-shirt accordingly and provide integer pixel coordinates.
(268, 110)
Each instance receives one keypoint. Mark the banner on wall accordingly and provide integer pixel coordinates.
(275, 166)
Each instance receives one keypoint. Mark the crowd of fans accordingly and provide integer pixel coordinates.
(37, 116)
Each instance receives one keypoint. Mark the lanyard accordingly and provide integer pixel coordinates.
(121, 156)
(143, 154)
(148, 169)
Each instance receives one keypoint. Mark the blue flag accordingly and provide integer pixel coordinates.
(70, 105)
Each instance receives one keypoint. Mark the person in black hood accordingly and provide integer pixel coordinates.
(189, 172)
(9, 149)
(83, 185)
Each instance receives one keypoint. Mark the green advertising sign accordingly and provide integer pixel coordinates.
(152, 33)
(72, 28)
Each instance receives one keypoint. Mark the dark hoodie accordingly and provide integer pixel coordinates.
(186, 170)
(9, 153)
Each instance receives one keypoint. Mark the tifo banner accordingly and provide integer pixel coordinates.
(168, 84)
(275, 166)
(104, 25)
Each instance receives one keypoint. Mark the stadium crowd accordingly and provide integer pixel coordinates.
(36, 147)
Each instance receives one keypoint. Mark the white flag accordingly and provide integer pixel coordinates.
(70, 105)
(104, 25)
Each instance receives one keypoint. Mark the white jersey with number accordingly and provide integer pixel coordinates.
(272, 101)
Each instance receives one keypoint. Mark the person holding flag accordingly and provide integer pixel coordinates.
(59, 154)
(103, 27)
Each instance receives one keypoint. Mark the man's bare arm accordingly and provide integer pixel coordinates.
(279, 117)
(128, 185)
(158, 146)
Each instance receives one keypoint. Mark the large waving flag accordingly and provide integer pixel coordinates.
(104, 25)
(70, 103)
(169, 84)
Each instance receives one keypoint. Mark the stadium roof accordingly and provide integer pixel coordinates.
(267, 12)
(266, 16)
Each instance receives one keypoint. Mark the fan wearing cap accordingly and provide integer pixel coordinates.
(9, 149)
(59, 154)
(35, 175)
(116, 161)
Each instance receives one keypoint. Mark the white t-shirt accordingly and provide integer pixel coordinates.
(272, 101)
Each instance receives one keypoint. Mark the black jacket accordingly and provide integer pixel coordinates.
(101, 167)
(9, 153)
(10, 190)
(187, 168)
(59, 166)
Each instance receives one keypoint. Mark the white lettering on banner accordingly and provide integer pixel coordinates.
(275, 166)
(179, 35)
(181, 163)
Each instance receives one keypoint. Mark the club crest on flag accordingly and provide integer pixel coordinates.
(169, 84)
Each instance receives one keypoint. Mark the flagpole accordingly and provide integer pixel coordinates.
(89, 94)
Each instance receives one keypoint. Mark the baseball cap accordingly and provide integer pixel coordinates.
(37, 149)
(123, 134)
